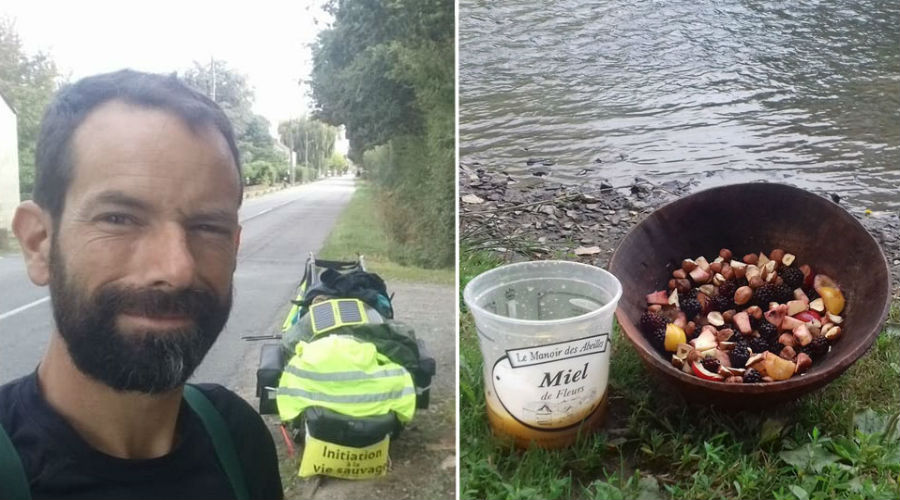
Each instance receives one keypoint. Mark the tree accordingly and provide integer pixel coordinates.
(230, 90)
(28, 82)
(384, 69)
(304, 132)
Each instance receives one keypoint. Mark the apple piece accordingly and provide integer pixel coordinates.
(705, 341)
(817, 305)
(687, 368)
(739, 268)
(834, 318)
(702, 263)
(799, 294)
(683, 350)
(700, 275)
(704, 373)
(722, 356)
(777, 367)
(724, 335)
(661, 297)
(742, 321)
(802, 334)
(790, 323)
(775, 316)
(674, 335)
(809, 317)
(762, 260)
(796, 307)
(680, 320)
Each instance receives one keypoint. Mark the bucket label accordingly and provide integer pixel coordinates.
(347, 462)
(553, 386)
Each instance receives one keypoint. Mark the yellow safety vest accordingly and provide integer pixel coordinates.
(347, 376)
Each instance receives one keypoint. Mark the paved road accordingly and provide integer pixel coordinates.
(279, 230)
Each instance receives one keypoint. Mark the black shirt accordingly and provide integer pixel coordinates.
(60, 464)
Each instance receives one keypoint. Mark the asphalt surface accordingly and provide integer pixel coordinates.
(279, 231)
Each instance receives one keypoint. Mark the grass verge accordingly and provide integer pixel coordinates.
(360, 230)
(842, 441)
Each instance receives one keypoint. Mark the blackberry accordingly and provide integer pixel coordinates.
(711, 364)
(692, 293)
(650, 322)
(658, 338)
(776, 347)
(767, 330)
(721, 303)
(793, 277)
(759, 344)
(764, 294)
(690, 307)
(783, 293)
(727, 289)
(816, 349)
(811, 293)
(752, 376)
(740, 354)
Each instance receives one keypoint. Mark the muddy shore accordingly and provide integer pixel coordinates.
(537, 218)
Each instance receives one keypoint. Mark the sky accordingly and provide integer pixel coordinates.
(266, 40)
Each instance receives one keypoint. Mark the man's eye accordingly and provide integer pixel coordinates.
(117, 219)
(209, 228)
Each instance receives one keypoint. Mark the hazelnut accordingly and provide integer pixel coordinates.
(715, 267)
(751, 258)
(788, 352)
(683, 285)
(725, 254)
(679, 274)
(743, 295)
(833, 333)
(777, 254)
(786, 339)
(728, 315)
(804, 362)
(688, 265)
(728, 272)
(672, 284)
(756, 282)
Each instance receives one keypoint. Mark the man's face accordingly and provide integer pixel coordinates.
(142, 258)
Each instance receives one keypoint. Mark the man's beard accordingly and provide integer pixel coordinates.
(152, 361)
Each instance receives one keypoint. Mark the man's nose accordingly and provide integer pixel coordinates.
(167, 259)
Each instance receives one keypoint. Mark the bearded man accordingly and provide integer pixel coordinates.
(134, 227)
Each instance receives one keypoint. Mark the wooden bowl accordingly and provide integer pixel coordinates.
(749, 218)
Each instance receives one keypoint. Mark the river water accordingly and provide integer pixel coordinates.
(802, 92)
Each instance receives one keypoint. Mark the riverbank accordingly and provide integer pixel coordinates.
(536, 218)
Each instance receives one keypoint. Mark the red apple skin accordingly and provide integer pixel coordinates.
(807, 316)
(700, 373)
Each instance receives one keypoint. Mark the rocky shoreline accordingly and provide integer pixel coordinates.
(536, 218)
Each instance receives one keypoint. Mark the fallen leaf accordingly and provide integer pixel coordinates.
(471, 198)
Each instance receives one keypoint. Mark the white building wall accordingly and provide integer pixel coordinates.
(9, 167)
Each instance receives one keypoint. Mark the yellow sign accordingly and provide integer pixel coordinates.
(329, 459)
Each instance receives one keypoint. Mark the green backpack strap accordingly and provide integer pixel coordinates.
(221, 438)
(13, 481)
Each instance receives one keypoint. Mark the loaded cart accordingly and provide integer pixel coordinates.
(344, 377)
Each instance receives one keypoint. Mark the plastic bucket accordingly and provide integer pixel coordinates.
(544, 330)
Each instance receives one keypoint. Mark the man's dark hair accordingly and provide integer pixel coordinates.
(53, 157)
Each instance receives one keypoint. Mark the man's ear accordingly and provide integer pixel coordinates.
(32, 227)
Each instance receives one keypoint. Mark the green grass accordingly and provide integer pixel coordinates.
(360, 230)
(829, 444)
